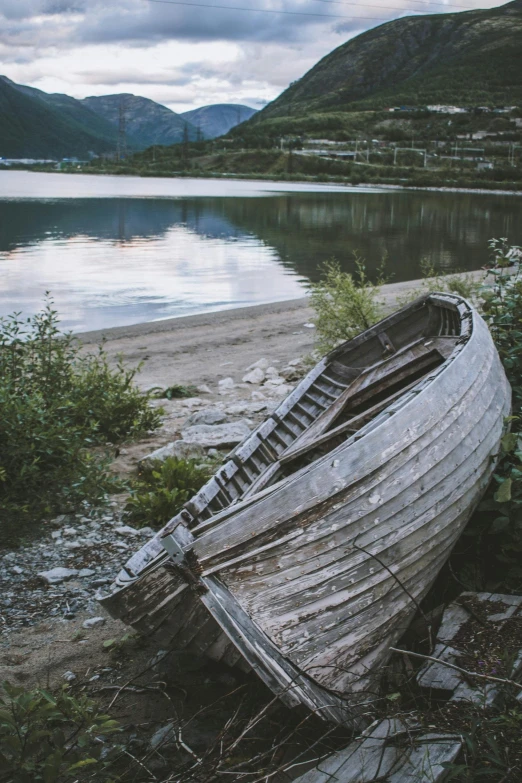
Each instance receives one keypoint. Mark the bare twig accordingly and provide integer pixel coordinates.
(489, 677)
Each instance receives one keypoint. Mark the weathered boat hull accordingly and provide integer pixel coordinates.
(312, 579)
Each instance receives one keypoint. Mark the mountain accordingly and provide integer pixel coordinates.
(36, 125)
(147, 122)
(466, 58)
(218, 118)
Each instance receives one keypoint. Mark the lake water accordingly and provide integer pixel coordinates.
(121, 250)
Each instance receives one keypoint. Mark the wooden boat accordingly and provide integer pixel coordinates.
(304, 557)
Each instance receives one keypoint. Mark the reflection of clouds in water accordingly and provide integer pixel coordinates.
(99, 284)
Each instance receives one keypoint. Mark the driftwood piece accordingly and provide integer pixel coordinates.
(441, 678)
(391, 752)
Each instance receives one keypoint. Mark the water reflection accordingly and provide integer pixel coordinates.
(114, 261)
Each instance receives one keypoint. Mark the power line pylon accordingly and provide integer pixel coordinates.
(122, 132)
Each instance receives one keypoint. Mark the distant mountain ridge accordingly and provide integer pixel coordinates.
(467, 58)
(218, 118)
(36, 124)
(146, 122)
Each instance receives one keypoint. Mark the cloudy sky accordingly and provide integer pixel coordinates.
(185, 54)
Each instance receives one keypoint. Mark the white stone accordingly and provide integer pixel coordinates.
(309, 325)
(226, 384)
(86, 572)
(217, 435)
(126, 530)
(57, 575)
(271, 382)
(204, 389)
(56, 534)
(69, 531)
(257, 375)
(257, 396)
(69, 676)
(272, 372)
(295, 362)
(279, 391)
(93, 622)
(178, 448)
(194, 402)
(261, 363)
(163, 736)
(206, 416)
(72, 545)
(17, 570)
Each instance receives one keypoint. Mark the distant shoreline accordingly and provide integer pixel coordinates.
(256, 177)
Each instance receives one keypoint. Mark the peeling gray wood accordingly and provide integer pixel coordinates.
(391, 752)
(311, 578)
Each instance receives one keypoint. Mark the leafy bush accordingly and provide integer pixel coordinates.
(57, 404)
(49, 738)
(345, 304)
(163, 489)
(175, 392)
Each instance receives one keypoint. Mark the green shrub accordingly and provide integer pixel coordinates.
(497, 526)
(345, 304)
(58, 404)
(177, 391)
(49, 738)
(162, 490)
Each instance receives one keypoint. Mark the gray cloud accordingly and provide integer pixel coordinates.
(267, 51)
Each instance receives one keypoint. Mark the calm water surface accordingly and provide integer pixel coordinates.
(115, 251)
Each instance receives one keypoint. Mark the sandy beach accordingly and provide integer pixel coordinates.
(201, 349)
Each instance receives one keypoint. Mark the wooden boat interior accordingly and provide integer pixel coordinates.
(353, 384)
(346, 390)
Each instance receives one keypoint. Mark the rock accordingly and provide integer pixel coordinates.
(194, 402)
(86, 572)
(93, 622)
(100, 582)
(69, 676)
(262, 364)
(226, 384)
(272, 372)
(279, 391)
(17, 570)
(163, 736)
(56, 534)
(57, 575)
(146, 531)
(206, 416)
(295, 362)
(274, 381)
(309, 325)
(257, 396)
(257, 375)
(204, 389)
(180, 449)
(126, 530)
(217, 435)
(247, 407)
(72, 545)
(69, 531)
